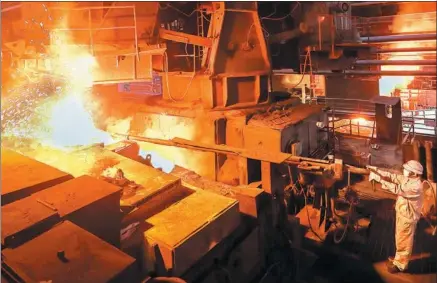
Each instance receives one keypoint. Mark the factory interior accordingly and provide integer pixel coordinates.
(217, 142)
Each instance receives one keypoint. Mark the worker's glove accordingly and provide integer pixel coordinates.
(374, 177)
(374, 168)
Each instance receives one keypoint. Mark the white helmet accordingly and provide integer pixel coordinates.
(414, 166)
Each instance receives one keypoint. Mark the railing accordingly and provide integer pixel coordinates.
(367, 25)
(422, 122)
(354, 127)
(350, 114)
(357, 107)
(333, 29)
(91, 30)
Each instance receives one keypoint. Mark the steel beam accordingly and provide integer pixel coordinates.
(397, 62)
(185, 38)
(399, 37)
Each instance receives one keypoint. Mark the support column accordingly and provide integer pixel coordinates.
(429, 161)
(271, 185)
(242, 171)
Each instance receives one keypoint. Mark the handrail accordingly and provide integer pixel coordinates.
(413, 122)
(91, 30)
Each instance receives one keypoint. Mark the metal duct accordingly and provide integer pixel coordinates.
(411, 49)
(399, 37)
(427, 73)
(397, 62)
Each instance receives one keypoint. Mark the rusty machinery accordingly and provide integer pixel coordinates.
(220, 87)
(223, 92)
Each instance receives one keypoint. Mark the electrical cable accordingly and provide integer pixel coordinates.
(253, 24)
(185, 14)
(299, 192)
(281, 18)
(228, 274)
(308, 55)
(167, 83)
(343, 236)
(268, 271)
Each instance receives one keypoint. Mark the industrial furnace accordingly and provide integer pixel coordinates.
(167, 143)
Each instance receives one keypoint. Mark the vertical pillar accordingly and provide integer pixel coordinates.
(416, 150)
(429, 161)
(242, 171)
(303, 94)
(272, 186)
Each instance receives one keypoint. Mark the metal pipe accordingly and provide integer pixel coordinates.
(416, 150)
(397, 62)
(399, 37)
(136, 33)
(91, 8)
(411, 49)
(427, 73)
(362, 4)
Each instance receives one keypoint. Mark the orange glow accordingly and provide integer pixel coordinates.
(65, 117)
(162, 126)
(360, 121)
(400, 25)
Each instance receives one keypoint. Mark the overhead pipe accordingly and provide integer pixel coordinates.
(397, 62)
(386, 73)
(410, 49)
(362, 4)
(424, 73)
(398, 37)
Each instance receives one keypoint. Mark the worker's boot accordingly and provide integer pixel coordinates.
(391, 268)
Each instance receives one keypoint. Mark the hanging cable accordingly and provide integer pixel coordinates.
(179, 11)
(301, 191)
(168, 85)
(268, 271)
(281, 18)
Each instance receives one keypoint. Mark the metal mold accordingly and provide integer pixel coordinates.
(67, 253)
(25, 219)
(23, 176)
(186, 231)
(90, 203)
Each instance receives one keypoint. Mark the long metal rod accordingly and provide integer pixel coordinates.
(399, 37)
(362, 4)
(224, 149)
(95, 29)
(397, 62)
(399, 50)
(427, 73)
(136, 34)
(90, 26)
(91, 8)
(11, 8)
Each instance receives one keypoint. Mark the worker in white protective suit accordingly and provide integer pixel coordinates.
(409, 191)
